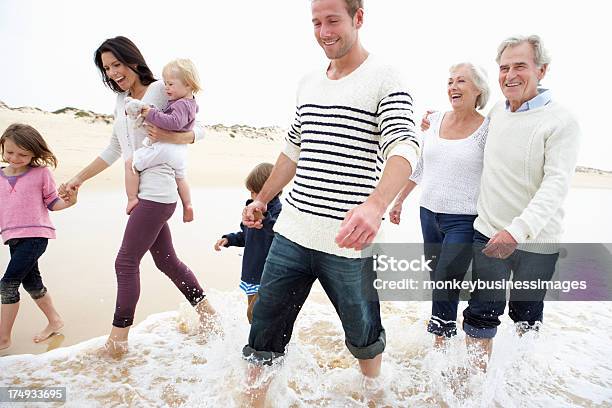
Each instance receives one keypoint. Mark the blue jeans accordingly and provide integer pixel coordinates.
(23, 269)
(448, 243)
(526, 307)
(288, 275)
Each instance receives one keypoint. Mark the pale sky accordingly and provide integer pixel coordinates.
(251, 54)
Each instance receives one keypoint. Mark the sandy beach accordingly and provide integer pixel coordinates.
(78, 269)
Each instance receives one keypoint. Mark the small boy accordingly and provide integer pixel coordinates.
(256, 242)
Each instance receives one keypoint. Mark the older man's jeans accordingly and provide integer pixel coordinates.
(526, 307)
(288, 275)
(448, 243)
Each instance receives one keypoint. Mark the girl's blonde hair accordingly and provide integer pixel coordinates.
(28, 138)
(186, 72)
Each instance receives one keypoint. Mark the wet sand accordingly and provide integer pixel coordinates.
(78, 267)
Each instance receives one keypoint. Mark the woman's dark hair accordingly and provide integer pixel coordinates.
(28, 138)
(125, 51)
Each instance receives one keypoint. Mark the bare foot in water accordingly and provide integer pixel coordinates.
(209, 321)
(116, 345)
(373, 390)
(5, 343)
(114, 349)
(51, 329)
(458, 378)
(440, 343)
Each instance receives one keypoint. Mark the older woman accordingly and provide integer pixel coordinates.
(449, 173)
(125, 71)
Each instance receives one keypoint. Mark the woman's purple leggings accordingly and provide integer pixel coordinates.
(147, 230)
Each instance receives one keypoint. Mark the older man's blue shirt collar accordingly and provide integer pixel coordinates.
(543, 98)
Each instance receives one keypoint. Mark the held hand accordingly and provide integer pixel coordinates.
(501, 245)
(145, 110)
(252, 215)
(360, 225)
(66, 188)
(425, 121)
(66, 200)
(159, 135)
(395, 213)
(220, 243)
(62, 191)
(72, 196)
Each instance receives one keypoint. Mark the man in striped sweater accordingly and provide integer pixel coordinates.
(352, 119)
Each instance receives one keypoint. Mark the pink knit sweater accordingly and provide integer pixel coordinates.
(24, 204)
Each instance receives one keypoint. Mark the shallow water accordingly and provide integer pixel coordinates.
(169, 364)
(566, 364)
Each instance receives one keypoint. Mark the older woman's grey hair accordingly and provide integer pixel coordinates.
(479, 77)
(541, 55)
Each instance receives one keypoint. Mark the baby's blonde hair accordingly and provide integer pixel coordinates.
(186, 71)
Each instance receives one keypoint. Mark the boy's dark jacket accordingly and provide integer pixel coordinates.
(256, 243)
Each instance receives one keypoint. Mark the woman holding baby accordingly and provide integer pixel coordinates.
(124, 70)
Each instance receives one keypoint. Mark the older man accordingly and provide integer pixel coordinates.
(529, 160)
(350, 119)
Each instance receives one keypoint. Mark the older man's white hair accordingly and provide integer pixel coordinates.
(542, 57)
(479, 76)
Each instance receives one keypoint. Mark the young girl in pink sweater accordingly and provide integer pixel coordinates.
(27, 193)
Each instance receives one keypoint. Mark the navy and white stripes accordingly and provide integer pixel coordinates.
(342, 152)
(249, 288)
(341, 136)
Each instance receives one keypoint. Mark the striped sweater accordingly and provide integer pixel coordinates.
(343, 132)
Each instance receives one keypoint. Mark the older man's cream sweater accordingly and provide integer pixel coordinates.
(529, 160)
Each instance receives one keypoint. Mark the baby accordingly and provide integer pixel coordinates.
(182, 82)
